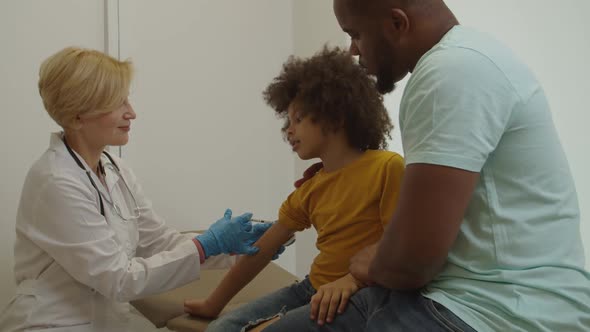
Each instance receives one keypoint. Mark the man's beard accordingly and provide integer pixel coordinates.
(385, 80)
(385, 83)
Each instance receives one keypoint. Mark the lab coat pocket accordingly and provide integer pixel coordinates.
(59, 299)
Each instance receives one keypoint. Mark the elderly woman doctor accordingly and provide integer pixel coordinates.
(88, 240)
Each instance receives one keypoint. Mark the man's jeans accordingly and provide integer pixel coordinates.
(370, 309)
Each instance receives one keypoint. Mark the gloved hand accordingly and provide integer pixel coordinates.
(231, 235)
(278, 253)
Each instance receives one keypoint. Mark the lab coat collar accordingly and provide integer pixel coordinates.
(56, 143)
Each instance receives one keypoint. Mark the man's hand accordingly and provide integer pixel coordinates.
(360, 263)
(333, 297)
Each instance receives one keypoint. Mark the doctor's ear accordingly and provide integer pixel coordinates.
(76, 123)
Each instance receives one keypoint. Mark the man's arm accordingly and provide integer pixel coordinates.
(245, 269)
(416, 242)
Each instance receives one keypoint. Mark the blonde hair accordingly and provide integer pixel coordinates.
(76, 81)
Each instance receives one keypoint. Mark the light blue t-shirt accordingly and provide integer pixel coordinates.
(517, 263)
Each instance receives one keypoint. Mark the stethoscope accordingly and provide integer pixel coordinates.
(101, 170)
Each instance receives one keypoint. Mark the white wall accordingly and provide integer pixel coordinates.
(31, 30)
(204, 140)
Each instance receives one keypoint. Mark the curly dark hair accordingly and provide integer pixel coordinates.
(337, 93)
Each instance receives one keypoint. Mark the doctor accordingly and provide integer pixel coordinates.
(88, 240)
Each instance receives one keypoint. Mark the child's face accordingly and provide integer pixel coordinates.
(307, 138)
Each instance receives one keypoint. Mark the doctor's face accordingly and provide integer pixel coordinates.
(109, 128)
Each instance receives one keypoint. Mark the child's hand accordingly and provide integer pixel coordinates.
(201, 308)
(332, 298)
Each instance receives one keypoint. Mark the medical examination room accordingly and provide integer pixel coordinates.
(294, 165)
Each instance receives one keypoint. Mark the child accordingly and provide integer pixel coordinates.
(333, 112)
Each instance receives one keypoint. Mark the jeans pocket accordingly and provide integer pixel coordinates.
(446, 318)
(304, 289)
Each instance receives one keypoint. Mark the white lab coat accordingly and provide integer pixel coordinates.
(75, 269)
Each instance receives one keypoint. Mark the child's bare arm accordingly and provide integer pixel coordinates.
(245, 269)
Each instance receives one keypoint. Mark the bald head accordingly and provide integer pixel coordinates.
(359, 4)
(425, 6)
(390, 36)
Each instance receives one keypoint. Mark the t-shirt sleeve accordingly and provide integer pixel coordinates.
(455, 110)
(392, 178)
(292, 213)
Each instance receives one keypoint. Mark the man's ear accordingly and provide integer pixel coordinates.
(398, 23)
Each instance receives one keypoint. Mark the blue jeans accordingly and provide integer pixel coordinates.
(290, 303)
(370, 309)
(378, 309)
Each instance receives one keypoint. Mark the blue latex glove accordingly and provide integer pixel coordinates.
(231, 236)
(278, 253)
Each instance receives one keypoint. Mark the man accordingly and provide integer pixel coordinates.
(486, 234)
